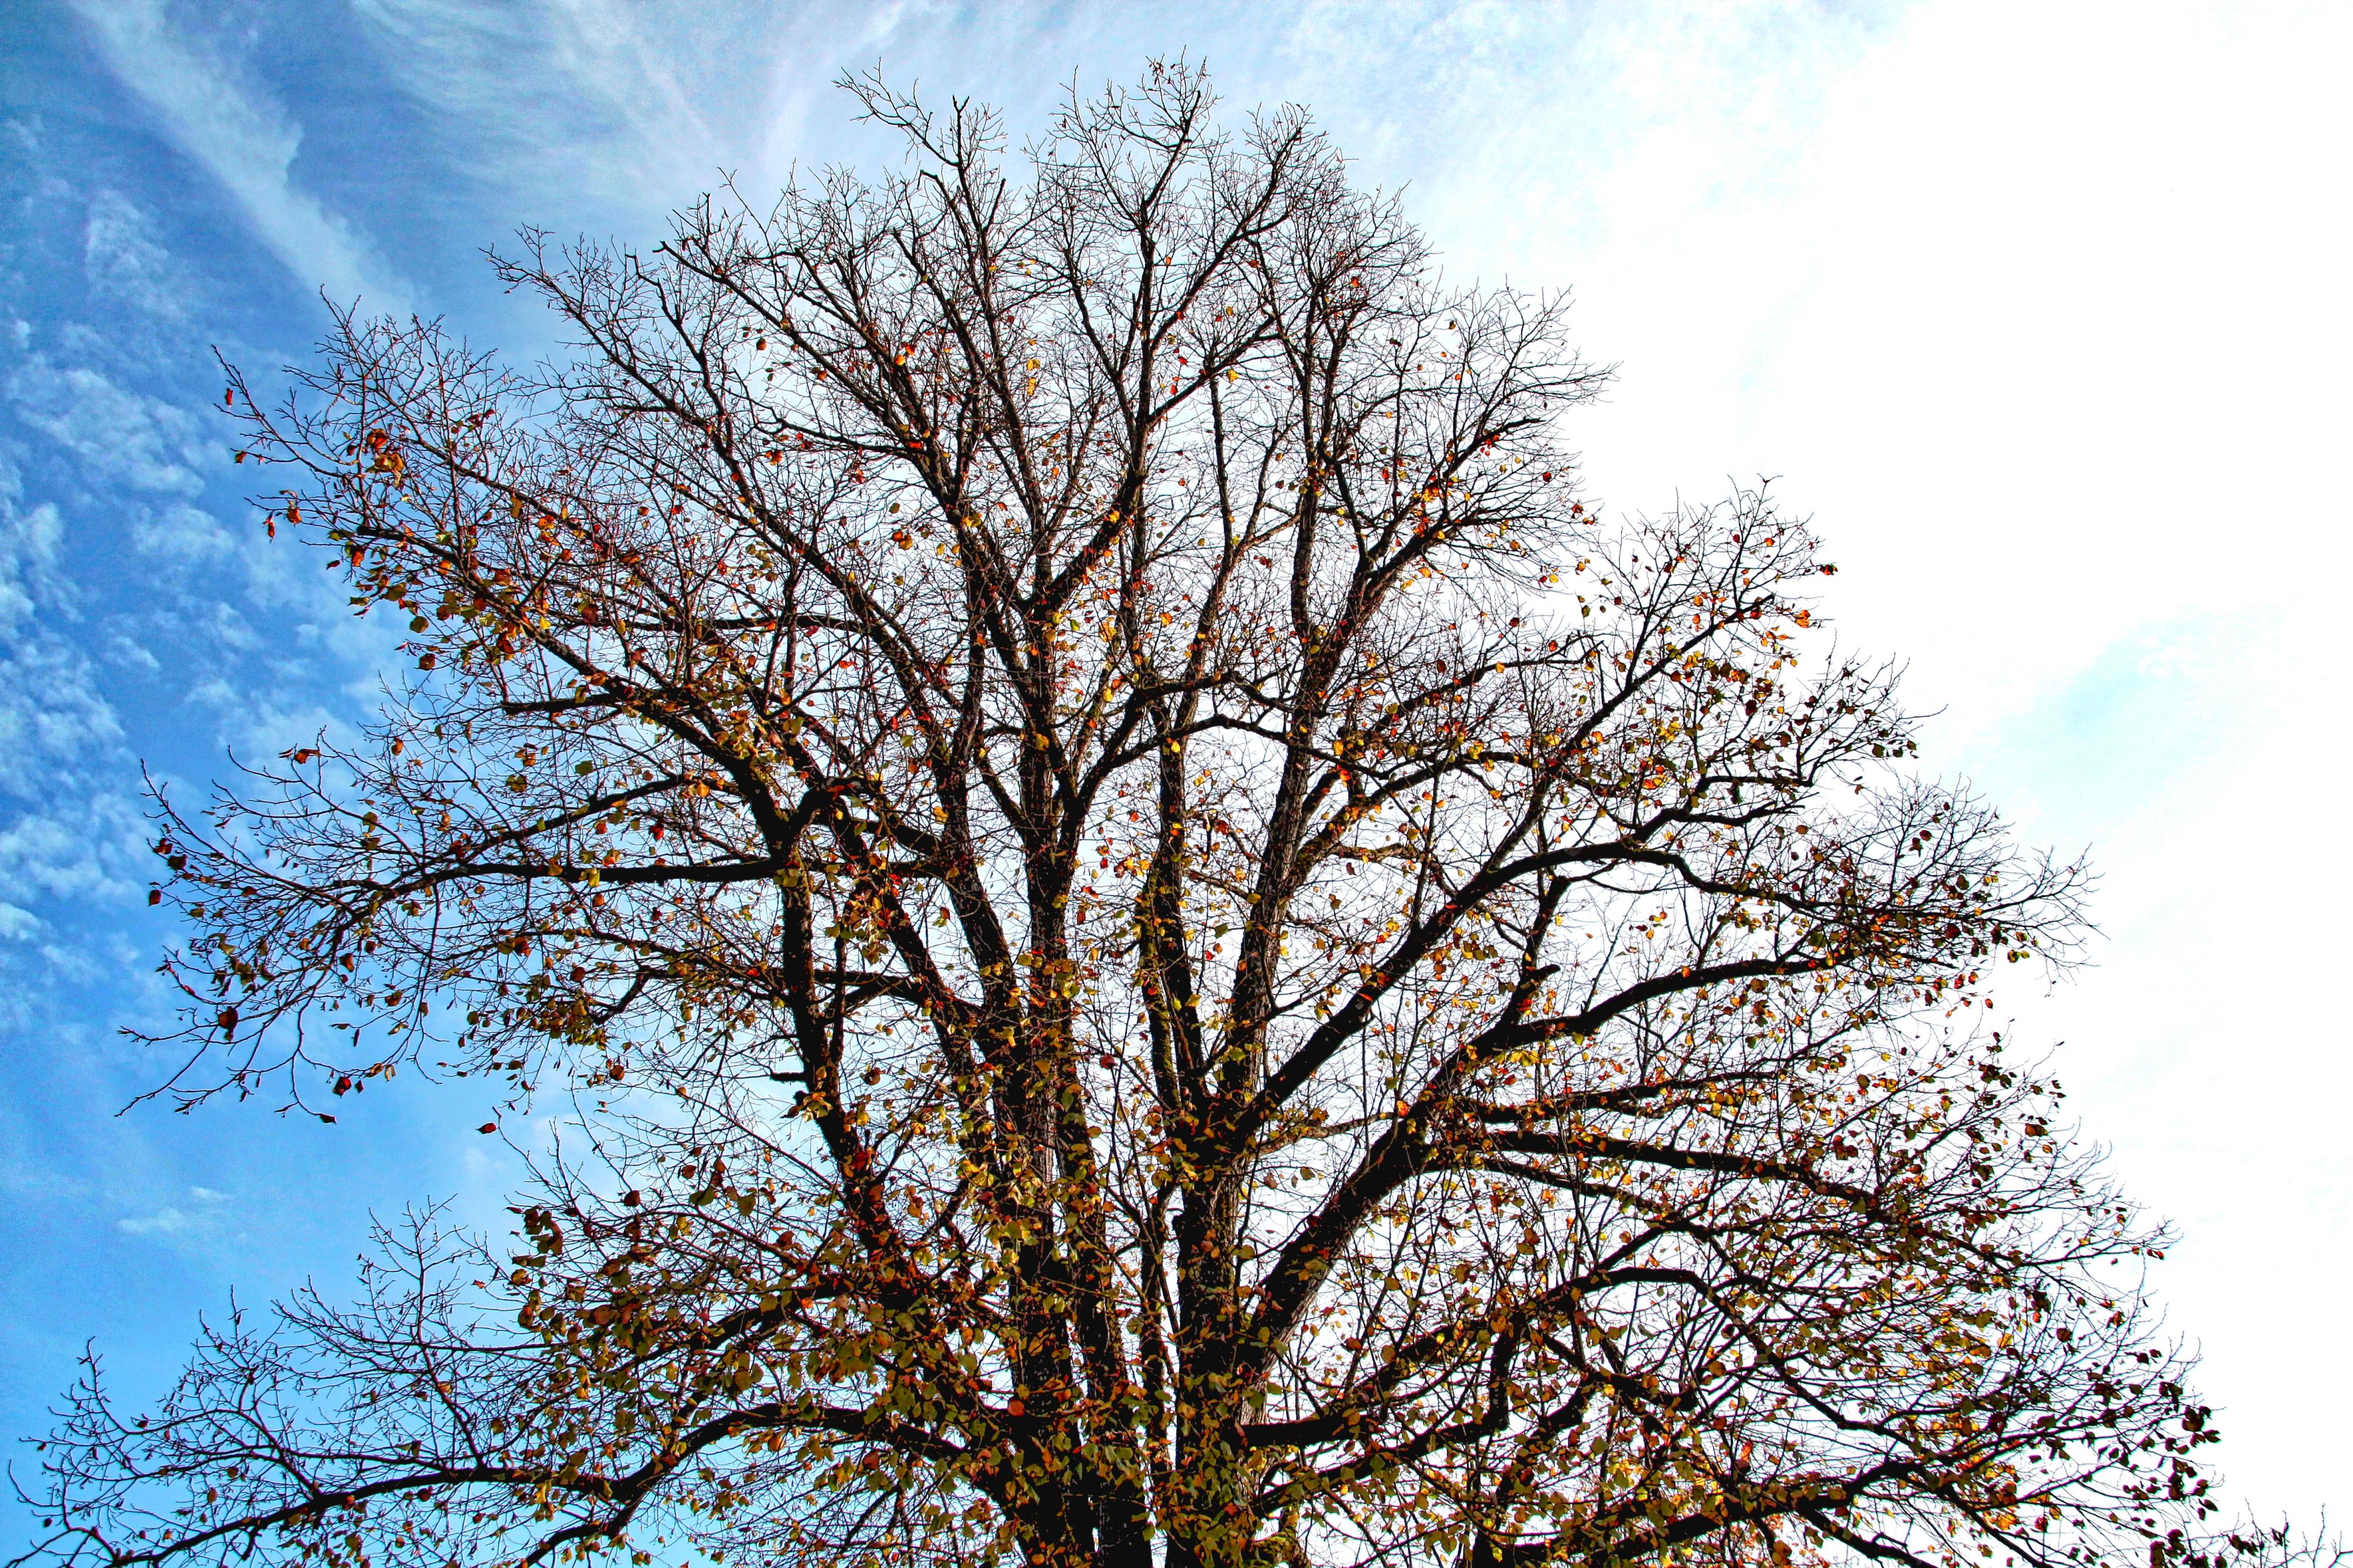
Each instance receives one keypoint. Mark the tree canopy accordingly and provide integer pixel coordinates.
(1151, 942)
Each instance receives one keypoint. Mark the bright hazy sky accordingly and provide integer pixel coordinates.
(2040, 310)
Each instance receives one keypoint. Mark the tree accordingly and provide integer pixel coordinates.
(1155, 944)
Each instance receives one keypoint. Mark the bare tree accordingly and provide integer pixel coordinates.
(1159, 947)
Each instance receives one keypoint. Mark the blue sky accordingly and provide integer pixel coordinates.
(2037, 309)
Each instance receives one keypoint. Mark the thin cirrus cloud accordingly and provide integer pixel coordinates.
(209, 109)
(638, 110)
(636, 91)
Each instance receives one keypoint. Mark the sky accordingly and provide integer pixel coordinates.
(2037, 309)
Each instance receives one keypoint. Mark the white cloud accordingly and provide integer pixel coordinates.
(28, 552)
(119, 435)
(63, 834)
(634, 111)
(182, 534)
(2013, 318)
(205, 1210)
(130, 653)
(224, 627)
(89, 845)
(261, 723)
(125, 262)
(213, 112)
(217, 691)
(52, 715)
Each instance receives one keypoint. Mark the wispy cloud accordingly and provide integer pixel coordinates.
(181, 533)
(28, 552)
(119, 435)
(124, 261)
(204, 1209)
(62, 833)
(633, 111)
(211, 110)
(52, 716)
